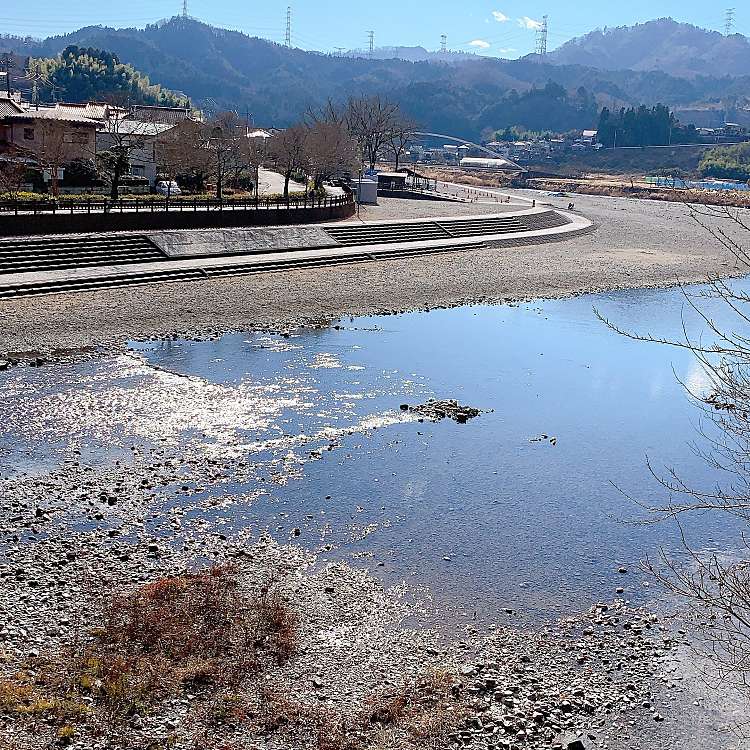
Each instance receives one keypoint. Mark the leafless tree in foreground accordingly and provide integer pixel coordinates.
(715, 587)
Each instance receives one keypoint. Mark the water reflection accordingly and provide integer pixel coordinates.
(486, 514)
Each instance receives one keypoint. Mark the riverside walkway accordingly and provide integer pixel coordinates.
(49, 265)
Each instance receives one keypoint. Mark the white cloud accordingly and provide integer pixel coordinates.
(480, 43)
(500, 17)
(507, 50)
(529, 23)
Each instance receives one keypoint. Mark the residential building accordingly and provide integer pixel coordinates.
(33, 131)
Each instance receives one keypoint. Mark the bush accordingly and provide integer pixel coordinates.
(81, 173)
(727, 162)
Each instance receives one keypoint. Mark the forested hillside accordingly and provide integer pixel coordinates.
(220, 69)
(85, 74)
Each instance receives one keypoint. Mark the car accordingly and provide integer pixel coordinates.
(168, 187)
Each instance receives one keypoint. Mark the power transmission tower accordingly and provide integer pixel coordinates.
(541, 39)
(288, 37)
(340, 51)
(184, 8)
(443, 43)
(729, 21)
(371, 37)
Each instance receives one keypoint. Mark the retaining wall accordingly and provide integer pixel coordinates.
(82, 223)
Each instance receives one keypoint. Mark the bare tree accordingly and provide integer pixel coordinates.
(330, 152)
(715, 587)
(371, 121)
(182, 152)
(288, 152)
(401, 135)
(53, 148)
(224, 137)
(12, 177)
(122, 137)
(253, 154)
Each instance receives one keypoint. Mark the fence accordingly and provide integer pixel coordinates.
(680, 184)
(19, 218)
(122, 205)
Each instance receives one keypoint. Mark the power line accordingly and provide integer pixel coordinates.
(371, 37)
(729, 21)
(288, 36)
(541, 38)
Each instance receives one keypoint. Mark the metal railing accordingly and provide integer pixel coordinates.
(135, 205)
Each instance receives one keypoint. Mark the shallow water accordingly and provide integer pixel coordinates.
(306, 433)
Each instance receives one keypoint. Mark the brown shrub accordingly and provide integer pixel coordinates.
(198, 630)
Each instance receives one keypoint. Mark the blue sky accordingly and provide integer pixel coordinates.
(504, 29)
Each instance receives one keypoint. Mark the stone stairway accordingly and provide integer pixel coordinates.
(59, 253)
(238, 268)
(350, 235)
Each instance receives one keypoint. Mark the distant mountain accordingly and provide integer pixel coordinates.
(221, 69)
(678, 49)
(411, 54)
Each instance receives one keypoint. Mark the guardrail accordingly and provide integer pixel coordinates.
(134, 205)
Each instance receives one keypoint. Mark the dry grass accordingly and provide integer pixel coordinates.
(206, 635)
(199, 632)
(419, 715)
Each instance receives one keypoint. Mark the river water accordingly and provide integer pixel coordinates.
(484, 516)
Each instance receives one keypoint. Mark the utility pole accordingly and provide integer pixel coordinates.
(443, 43)
(729, 21)
(541, 39)
(288, 37)
(371, 37)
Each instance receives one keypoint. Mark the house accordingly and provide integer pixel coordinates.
(140, 139)
(36, 131)
(141, 129)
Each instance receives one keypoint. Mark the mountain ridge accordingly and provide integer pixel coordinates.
(223, 69)
(679, 49)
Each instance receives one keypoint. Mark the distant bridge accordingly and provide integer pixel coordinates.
(478, 146)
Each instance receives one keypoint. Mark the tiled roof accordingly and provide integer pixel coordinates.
(92, 110)
(164, 115)
(137, 127)
(51, 113)
(9, 107)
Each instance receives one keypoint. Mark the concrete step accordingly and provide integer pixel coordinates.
(375, 234)
(124, 278)
(57, 253)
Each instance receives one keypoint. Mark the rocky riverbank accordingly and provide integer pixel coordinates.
(352, 674)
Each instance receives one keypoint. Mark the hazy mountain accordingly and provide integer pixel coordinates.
(664, 45)
(411, 54)
(220, 69)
